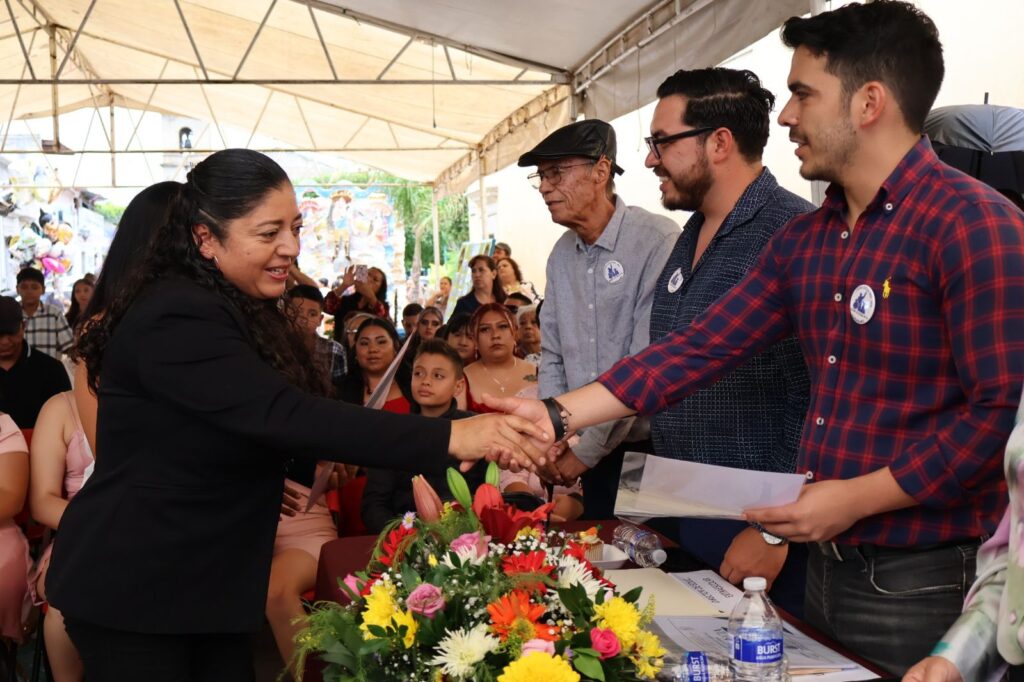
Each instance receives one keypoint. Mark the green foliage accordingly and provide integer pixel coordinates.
(110, 212)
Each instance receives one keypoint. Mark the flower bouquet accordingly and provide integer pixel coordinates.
(479, 590)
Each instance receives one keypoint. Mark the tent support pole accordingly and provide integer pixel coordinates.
(52, 30)
(483, 198)
(437, 237)
(71, 47)
(113, 144)
(21, 41)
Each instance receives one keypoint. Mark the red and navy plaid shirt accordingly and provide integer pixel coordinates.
(927, 385)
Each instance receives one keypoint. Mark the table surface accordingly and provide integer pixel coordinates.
(347, 555)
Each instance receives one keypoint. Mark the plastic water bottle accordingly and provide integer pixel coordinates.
(642, 546)
(699, 666)
(755, 636)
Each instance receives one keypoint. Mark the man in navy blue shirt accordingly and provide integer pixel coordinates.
(707, 134)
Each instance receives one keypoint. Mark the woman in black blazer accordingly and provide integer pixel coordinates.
(162, 561)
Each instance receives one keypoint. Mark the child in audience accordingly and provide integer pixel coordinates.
(436, 378)
(60, 458)
(459, 336)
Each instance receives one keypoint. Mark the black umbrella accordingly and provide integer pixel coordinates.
(983, 140)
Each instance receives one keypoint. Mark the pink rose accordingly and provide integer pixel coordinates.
(541, 645)
(425, 600)
(605, 643)
(352, 583)
(472, 545)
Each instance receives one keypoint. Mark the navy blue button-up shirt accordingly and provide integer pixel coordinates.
(752, 417)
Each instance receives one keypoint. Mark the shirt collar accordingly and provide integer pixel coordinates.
(915, 165)
(414, 407)
(753, 199)
(610, 236)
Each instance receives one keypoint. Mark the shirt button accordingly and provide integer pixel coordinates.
(845, 234)
(888, 206)
(593, 374)
(831, 359)
(590, 305)
(809, 475)
(590, 271)
(820, 421)
(591, 340)
(838, 297)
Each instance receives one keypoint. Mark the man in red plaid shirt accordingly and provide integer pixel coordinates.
(906, 292)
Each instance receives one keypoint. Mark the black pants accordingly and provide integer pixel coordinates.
(890, 607)
(601, 484)
(118, 656)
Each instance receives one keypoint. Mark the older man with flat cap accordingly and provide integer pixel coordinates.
(600, 282)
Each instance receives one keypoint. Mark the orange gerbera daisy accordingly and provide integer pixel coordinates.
(514, 614)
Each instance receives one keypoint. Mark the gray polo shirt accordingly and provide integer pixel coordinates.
(597, 310)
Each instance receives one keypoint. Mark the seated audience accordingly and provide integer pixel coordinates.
(528, 318)
(511, 278)
(498, 372)
(437, 376)
(306, 306)
(60, 459)
(440, 299)
(370, 296)
(458, 335)
(376, 345)
(81, 292)
(15, 602)
(46, 328)
(410, 314)
(28, 378)
(430, 320)
(486, 287)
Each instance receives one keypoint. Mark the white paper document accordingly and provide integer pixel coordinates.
(712, 589)
(806, 656)
(653, 486)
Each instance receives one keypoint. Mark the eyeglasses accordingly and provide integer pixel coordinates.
(553, 175)
(654, 141)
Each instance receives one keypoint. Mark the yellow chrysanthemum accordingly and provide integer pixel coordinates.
(648, 655)
(380, 607)
(432, 561)
(621, 617)
(405, 618)
(538, 665)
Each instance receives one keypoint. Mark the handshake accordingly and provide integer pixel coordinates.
(530, 434)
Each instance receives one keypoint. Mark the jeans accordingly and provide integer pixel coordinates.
(118, 656)
(888, 606)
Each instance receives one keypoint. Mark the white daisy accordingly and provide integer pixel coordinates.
(571, 572)
(461, 650)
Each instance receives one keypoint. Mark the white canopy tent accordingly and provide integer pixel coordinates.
(438, 91)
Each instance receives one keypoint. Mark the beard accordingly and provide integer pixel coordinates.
(687, 193)
(831, 152)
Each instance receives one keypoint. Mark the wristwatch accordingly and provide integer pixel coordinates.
(773, 540)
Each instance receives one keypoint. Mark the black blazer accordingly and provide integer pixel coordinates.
(174, 532)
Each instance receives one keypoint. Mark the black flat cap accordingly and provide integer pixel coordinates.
(591, 138)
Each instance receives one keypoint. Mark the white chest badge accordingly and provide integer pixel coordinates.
(613, 271)
(862, 304)
(675, 281)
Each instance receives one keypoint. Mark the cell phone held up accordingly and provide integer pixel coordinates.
(362, 272)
